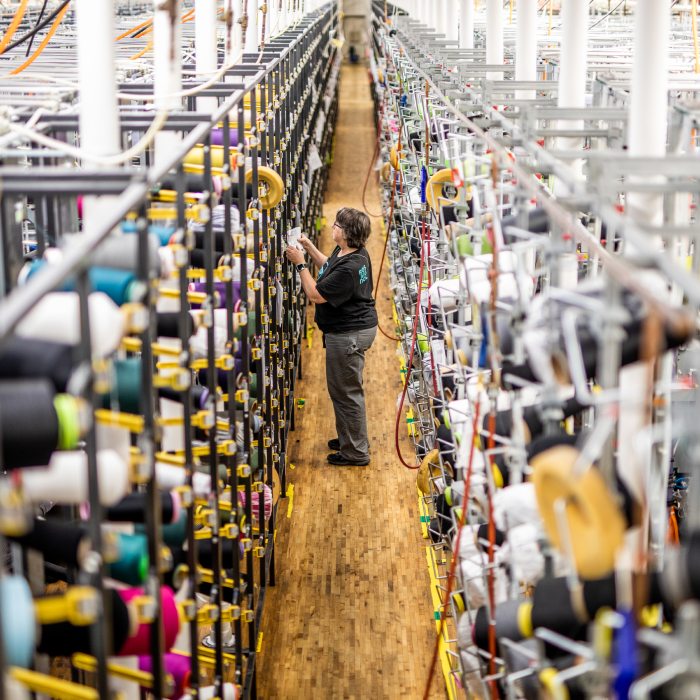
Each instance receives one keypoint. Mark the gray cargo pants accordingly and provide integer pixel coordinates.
(345, 362)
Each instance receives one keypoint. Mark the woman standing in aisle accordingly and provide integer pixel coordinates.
(346, 315)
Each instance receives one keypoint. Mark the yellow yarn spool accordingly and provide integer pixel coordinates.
(270, 186)
(385, 173)
(594, 520)
(429, 467)
(435, 190)
(394, 155)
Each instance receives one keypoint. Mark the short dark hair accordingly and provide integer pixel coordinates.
(355, 224)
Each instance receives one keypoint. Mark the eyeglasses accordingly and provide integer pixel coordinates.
(337, 225)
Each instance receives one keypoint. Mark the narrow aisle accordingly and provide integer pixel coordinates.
(351, 615)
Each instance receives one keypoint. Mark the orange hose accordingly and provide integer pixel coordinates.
(673, 536)
(186, 17)
(143, 51)
(16, 20)
(134, 29)
(44, 42)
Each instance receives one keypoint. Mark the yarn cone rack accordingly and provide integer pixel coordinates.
(150, 340)
(545, 302)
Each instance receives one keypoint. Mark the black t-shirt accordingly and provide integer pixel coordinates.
(346, 285)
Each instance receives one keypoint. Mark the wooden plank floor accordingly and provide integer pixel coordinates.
(351, 615)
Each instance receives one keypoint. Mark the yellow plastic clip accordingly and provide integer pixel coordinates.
(78, 605)
(53, 687)
(128, 421)
(207, 614)
(145, 608)
(85, 662)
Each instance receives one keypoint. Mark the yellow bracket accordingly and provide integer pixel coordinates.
(207, 576)
(134, 345)
(206, 659)
(192, 297)
(199, 213)
(170, 196)
(195, 169)
(442, 647)
(209, 613)
(179, 381)
(410, 425)
(85, 662)
(424, 515)
(222, 273)
(78, 605)
(168, 458)
(144, 605)
(129, 421)
(53, 687)
(290, 496)
(224, 362)
(207, 656)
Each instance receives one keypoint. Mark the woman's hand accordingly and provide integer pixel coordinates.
(295, 255)
(304, 242)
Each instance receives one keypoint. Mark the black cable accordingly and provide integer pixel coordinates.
(41, 14)
(36, 29)
(595, 24)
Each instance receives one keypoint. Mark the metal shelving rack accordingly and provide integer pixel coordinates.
(522, 153)
(283, 90)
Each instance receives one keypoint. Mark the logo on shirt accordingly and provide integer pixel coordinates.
(363, 274)
(324, 267)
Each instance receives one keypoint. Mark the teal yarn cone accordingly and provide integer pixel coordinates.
(126, 386)
(132, 565)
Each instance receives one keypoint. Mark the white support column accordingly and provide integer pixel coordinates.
(271, 21)
(526, 44)
(438, 16)
(284, 16)
(252, 40)
(98, 112)
(449, 21)
(233, 36)
(648, 127)
(648, 116)
(205, 48)
(466, 24)
(428, 14)
(573, 56)
(573, 62)
(167, 68)
(494, 37)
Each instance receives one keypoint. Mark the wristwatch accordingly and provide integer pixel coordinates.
(302, 266)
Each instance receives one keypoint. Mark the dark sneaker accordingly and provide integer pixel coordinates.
(334, 445)
(341, 461)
